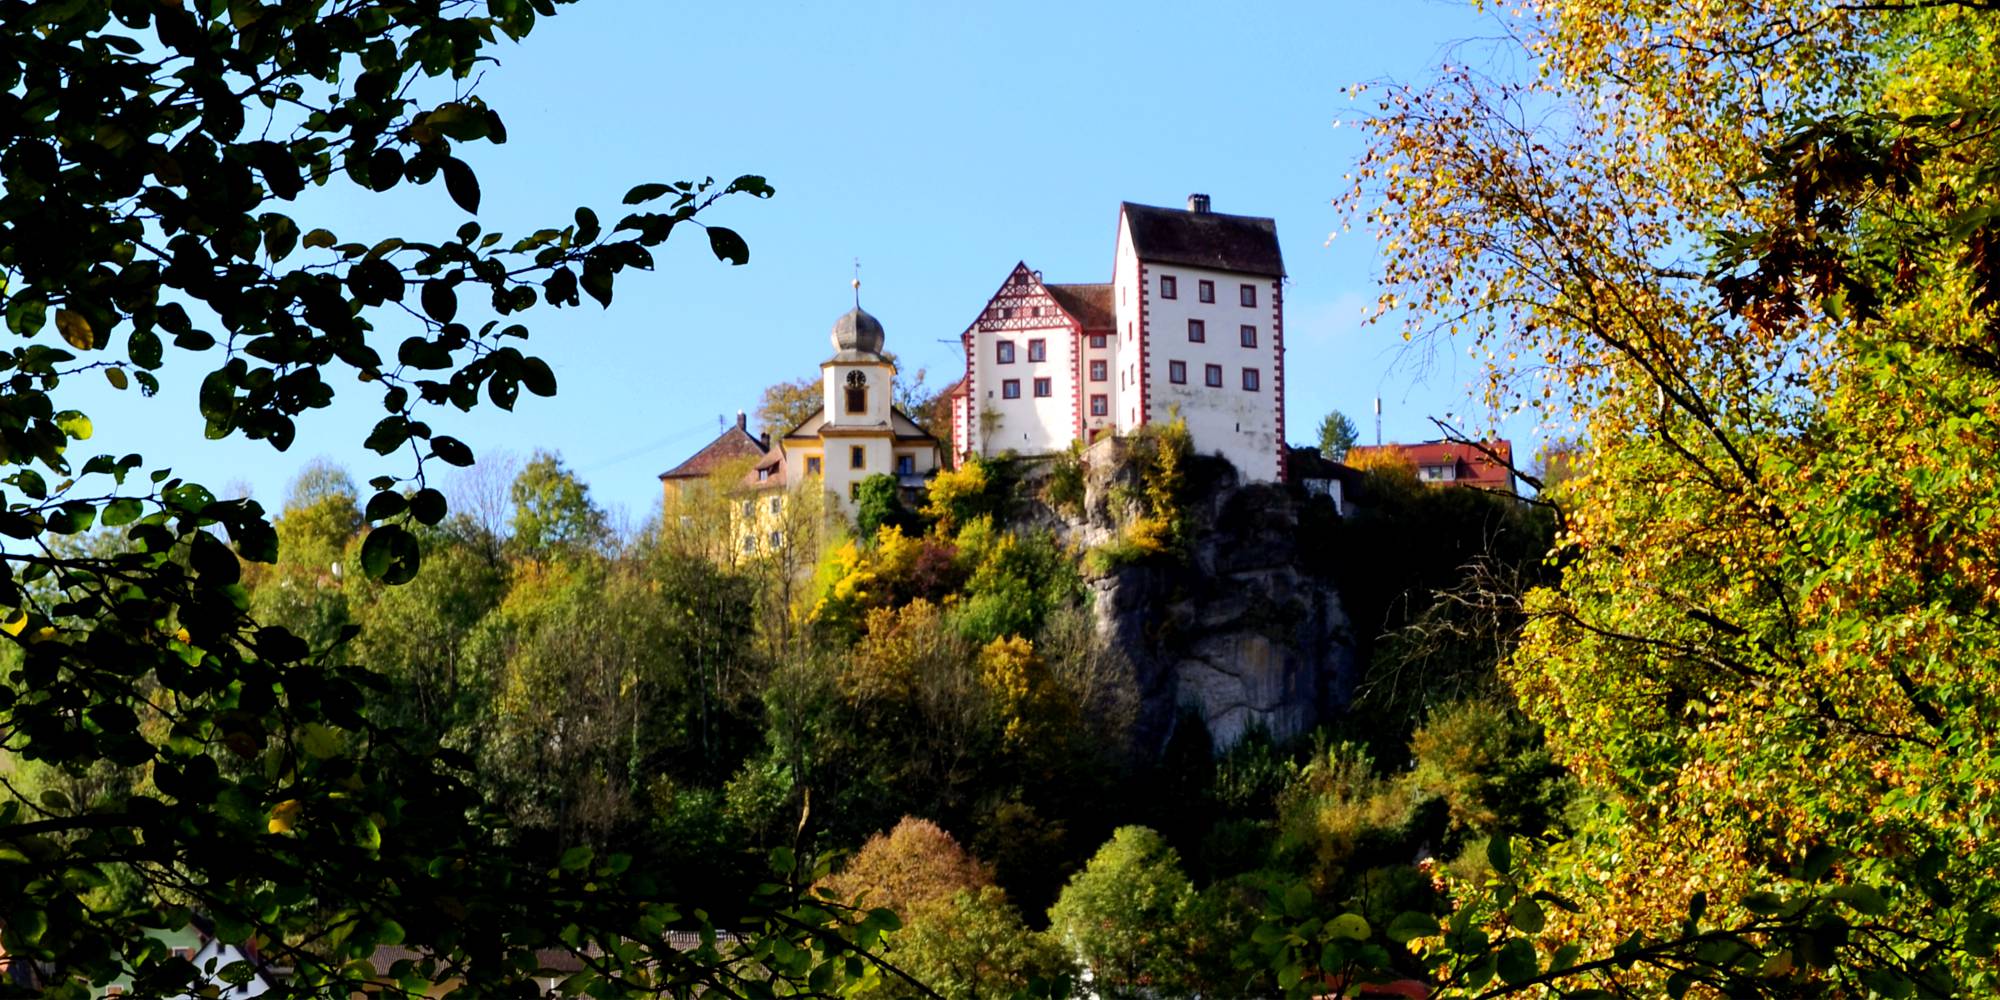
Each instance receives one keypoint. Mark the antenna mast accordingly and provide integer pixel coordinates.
(1378, 421)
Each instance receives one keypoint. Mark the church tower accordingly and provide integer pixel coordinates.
(858, 435)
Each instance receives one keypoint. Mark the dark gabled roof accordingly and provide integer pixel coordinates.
(734, 443)
(1089, 304)
(1205, 239)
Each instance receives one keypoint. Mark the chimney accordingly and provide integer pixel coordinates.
(1198, 204)
(742, 422)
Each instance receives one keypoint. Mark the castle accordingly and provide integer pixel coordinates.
(1191, 324)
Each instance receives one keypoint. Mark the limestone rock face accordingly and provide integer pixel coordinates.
(1241, 632)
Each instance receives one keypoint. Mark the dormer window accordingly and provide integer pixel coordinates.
(857, 392)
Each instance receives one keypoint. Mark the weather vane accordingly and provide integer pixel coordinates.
(857, 282)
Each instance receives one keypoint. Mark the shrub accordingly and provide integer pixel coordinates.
(1064, 489)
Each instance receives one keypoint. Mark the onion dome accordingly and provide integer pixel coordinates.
(857, 332)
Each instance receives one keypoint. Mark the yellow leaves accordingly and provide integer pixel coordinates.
(15, 622)
(285, 816)
(75, 329)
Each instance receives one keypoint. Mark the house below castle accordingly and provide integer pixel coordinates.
(857, 432)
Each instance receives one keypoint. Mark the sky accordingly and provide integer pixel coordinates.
(937, 143)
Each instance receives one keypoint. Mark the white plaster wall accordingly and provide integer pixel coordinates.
(833, 389)
(1127, 301)
(1108, 388)
(1028, 425)
(1240, 425)
(877, 457)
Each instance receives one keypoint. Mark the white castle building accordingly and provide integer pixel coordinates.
(1192, 322)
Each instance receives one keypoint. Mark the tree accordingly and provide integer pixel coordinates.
(913, 866)
(1121, 915)
(973, 945)
(878, 501)
(143, 206)
(1747, 254)
(553, 512)
(786, 405)
(1336, 434)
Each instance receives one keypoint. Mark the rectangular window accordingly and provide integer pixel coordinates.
(1097, 341)
(1213, 375)
(776, 504)
(1169, 288)
(1197, 331)
(854, 490)
(777, 539)
(1248, 335)
(746, 508)
(749, 543)
(1003, 351)
(763, 474)
(1177, 372)
(1100, 405)
(1010, 389)
(1247, 295)
(812, 465)
(1043, 389)
(857, 457)
(1250, 379)
(1038, 350)
(1205, 291)
(1099, 372)
(906, 465)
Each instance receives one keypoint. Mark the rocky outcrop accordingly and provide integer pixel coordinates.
(1240, 630)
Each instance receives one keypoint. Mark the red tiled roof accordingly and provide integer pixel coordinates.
(735, 443)
(1091, 305)
(1470, 465)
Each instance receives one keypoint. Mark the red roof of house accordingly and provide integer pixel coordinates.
(1470, 464)
(735, 443)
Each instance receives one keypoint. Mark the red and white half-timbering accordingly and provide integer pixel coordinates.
(1191, 323)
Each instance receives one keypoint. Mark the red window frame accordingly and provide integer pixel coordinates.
(1044, 388)
(1248, 335)
(1197, 332)
(1100, 405)
(1097, 341)
(1169, 288)
(1003, 352)
(1038, 349)
(1010, 388)
(1177, 372)
(1212, 376)
(1100, 370)
(1247, 296)
(1251, 380)
(1205, 291)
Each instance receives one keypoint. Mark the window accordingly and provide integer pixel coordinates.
(1197, 331)
(812, 465)
(1100, 405)
(1213, 375)
(854, 491)
(749, 543)
(1247, 295)
(1098, 371)
(1169, 288)
(1248, 335)
(857, 457)
(763, 474)
(776, 504)
(1038, 350)
(1177, 372)
(1250, 379)
(906, 465)
(1003, 352)
(1043, 389)
(857, 392)
(777, 539)
(747, 509)
(1097, 341)
(1205, 291)
(1010, 389)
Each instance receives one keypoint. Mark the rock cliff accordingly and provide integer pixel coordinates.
(1239, 630)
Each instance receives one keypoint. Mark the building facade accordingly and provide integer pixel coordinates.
(1191, 323)
(856, 432)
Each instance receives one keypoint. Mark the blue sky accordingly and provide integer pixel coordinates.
(937, 142)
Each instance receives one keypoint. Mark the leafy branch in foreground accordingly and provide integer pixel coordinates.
(148, 150)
